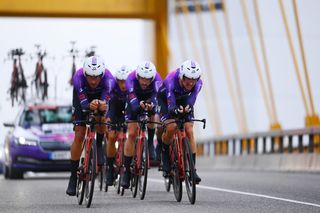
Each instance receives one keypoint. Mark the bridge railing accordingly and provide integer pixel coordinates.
(305, 140)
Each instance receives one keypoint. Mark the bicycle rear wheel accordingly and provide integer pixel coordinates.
(91, 173)
(176, 181)
(143, 170)
(118, 179)
(134, 173)
(167, 184)
(120, 167)
(189, 171)
(80, 184)
(106, 187)
(167, 180)
(101, 177)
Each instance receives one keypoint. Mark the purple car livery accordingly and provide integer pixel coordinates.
(39, 140)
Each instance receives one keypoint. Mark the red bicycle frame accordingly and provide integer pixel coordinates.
(87, 145)
(141, 137)
(179, 136)
(121, 139)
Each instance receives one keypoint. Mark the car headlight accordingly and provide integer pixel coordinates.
(24, 141)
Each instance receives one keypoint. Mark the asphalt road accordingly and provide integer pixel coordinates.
(220, 191)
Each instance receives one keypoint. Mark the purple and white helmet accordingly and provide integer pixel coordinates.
(93, 66)
(190, 69)
(122, 73)
(146, 70)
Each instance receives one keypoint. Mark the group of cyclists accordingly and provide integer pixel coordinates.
(122, 97)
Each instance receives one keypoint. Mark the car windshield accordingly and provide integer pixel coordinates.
(38, 117)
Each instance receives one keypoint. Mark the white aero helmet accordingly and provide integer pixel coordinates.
(122, 73)
(93, 66)
(146, 70)
(190, 69)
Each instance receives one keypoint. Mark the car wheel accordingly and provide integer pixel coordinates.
(6, 172)
(14, 173)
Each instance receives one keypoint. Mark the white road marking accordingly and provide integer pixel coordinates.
(245, 193)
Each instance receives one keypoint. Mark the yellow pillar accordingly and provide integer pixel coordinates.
(161, 37)
(244, 146)
(200, 149)
(252, 143)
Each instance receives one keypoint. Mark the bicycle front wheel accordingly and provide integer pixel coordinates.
(91, 173)
(143, 170)
(176, 180)
(134, 180)
(80, 183)
(134, 173)
(189, 171)
(101, 177)
(120, 167)
(167, 184)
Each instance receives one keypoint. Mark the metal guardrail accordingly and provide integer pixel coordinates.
(306, 140)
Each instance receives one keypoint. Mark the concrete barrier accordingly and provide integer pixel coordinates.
(269, 162)
(315, 162)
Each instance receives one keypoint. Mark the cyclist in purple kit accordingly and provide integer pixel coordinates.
(92, 86)
(178, 94)
(116, 115)
(142, 88)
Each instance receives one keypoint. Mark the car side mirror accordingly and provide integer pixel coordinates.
(7, 124)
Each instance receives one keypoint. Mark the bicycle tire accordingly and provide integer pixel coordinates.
(167, 184)
(134, 173)
(106, 187)
(168, 180)
(101, 175)
(176, 181)
(91, 173)
(134, 181)
(143, 170)
(80, 184)
(120, 168)
(23, 95)
(12, 98)
(189, 171)
(122, 191)
(118, 185)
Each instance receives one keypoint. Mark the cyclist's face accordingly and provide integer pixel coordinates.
(122, 85)
(144, 82)
(188, 83)
(93, 81)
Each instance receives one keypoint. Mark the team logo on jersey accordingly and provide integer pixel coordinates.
(82, 97)
(131, 96)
